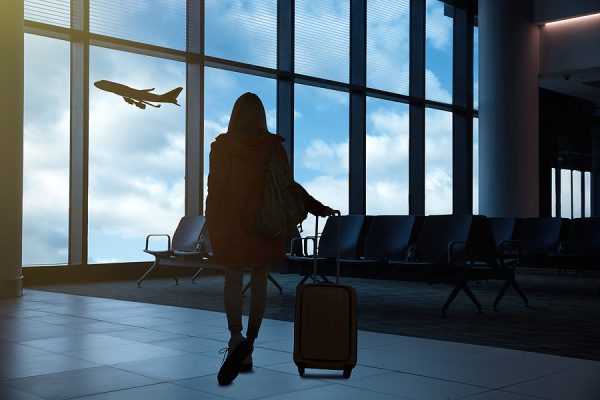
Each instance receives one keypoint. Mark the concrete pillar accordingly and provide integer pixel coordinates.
(11, 147)
(508, 109)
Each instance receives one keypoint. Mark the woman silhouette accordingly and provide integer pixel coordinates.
(236, 184)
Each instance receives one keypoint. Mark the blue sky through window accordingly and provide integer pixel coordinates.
(136, 157)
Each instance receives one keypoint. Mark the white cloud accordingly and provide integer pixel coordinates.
(438, 28)
(329, 157)
(434, 89)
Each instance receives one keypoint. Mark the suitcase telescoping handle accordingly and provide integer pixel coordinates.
(337, 259)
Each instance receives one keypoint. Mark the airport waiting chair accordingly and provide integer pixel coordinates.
(495, 257)
(353, 230)
(581, 248)
(538, 238)
(441, 255)
(190, 247)
(185, 249)
(388, 238)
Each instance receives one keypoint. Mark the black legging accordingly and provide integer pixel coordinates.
(234, 279)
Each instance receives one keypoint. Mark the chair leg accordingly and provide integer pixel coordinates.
(503, 290)
(196, 274)
(519, 290)
(274, 282)
(471, 295)
(154, 265)
(450, 299)
(304, 279)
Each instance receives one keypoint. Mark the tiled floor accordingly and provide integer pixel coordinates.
(57, 346)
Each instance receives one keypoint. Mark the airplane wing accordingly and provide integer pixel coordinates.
(146, 90)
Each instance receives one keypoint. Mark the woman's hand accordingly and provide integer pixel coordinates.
(329, 212)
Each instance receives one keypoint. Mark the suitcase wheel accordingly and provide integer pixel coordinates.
(347, 372)
(301, 370)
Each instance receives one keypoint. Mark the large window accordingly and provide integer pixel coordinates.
(438, 162)
(136, 156)
(438, 51)
(575, 194)
(387, 157)
(221, 90)
(388, 30)
(323, 38)
(129, 163)
(46, 151)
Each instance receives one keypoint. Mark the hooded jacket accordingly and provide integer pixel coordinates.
(236, 185)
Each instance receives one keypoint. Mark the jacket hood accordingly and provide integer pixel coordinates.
(246, 145)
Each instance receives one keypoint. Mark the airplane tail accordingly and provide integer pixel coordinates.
(171, 97)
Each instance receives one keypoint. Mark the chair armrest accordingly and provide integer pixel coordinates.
(294, 240)
(159, 235)
(411, 253)
(509, 250)
(315, 243)
(459, 254)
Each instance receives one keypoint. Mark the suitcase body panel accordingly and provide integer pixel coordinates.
(325, 327)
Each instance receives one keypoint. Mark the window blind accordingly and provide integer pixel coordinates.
(438, 51)
(244, 31)
(322, 33)
(388, 47)
(53, 12)
(156, 22)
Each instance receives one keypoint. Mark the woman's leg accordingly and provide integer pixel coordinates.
(258, 301)
(233, 299)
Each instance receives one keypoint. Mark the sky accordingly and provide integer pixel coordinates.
(136, 157)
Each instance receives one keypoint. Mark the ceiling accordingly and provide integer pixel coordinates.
(575, 83)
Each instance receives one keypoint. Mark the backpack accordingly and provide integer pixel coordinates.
(283, 206)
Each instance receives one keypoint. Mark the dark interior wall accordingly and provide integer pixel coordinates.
(565, 126)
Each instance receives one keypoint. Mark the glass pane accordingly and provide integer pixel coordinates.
(438, 51)
(254, 38)
(553, 201)
(321, 146)
(54, 12)
(577, 194)
(136, 156)
(588, 194)
(438, 162)
(475, 165)
(221, 90)
(387, 157)
(157, 22)
(46, 151)
(565, 193)
(476, 67)
(388, 50)
(322, 34)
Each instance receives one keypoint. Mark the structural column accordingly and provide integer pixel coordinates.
(508, 109)
(11, 148)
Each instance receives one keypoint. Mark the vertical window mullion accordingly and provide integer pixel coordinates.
(462, 121)
(358, 107)
(194, 127)
(416, 190)
(285, 81)
(79, 149)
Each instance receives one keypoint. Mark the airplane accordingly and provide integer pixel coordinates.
(139, 97)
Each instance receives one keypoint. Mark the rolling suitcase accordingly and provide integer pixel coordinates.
(325, 323)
